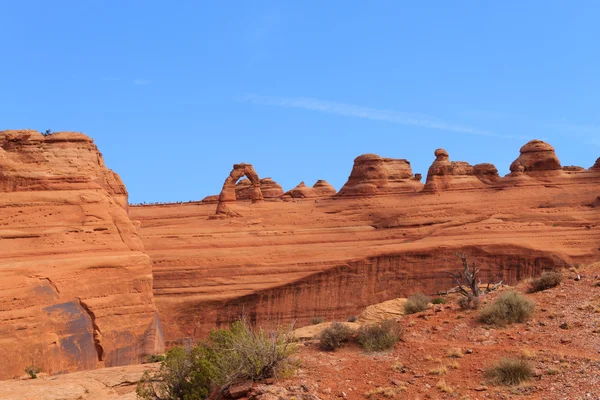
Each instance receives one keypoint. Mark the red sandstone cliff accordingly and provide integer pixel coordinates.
(75, 283)
(376, 240)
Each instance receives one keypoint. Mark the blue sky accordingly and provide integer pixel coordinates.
(174, 93)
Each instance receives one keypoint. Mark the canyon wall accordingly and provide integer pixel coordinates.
(75, 283)
(284, 261)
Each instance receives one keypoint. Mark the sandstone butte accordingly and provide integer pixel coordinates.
(75, 281)
(84, 279)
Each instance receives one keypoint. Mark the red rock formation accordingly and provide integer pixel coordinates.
(324, 188)
(320, 189)
(75, 283)
(289, 261)
(228, 193)
(374, 175)
(597, 164)
(445, 175)
(536, 156)
(268, 187)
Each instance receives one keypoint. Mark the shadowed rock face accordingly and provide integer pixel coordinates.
(75, 283)
(597, 164)
(374, 175)
(536, 156)
(228, 193)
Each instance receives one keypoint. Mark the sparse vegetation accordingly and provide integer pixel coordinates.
(470, 278)
(440, 370)
(439, 300)
(510, 307)
(32, 371)
(352, 319)
(510, 371)
(154, 358)
(379, 337)
(454, 365)
(416, 303)
(47, 132)
(232, 355)
(317, 320)
(334, 336)
(546, 281)
(397, 366)
(455, 353)
(468, 303)
(444, 387)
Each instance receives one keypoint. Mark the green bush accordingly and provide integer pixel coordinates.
(416, 303)
(439, 300)
(317, 320)
(154, 358)
(510, 371)
(230, 356)
(546, 281)
(509, 307)
(334, 336)
(379, 337)
(32, 371)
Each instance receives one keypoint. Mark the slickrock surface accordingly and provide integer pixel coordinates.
(285, 261)
(75, 283)
(375, 175)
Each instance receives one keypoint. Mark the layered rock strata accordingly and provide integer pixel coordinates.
(75, 283)
(375, 175)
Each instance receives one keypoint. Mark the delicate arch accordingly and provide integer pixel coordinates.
(227, 195)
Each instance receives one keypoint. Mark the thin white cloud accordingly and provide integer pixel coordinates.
(140, 81)
(350, 110)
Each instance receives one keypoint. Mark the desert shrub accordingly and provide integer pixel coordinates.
(379, 337)
(317, 320)
(509, 307)
(416, 303)
(439, 300)
(510, 371)
(32, 371)
(546, 281)
(334, 336)
(352, 318)
(455, 352)
(154, 358)
(230, 356)
(468, 302)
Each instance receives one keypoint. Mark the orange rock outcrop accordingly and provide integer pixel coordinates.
(228, 196)
(375, 175)
(321, 188)
(284, 261)
(75, 282)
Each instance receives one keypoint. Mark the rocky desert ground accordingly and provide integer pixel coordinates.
(90, 286)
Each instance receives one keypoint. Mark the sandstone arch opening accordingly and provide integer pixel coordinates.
(227, 195)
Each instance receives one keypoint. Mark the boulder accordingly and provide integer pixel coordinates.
(536, 156)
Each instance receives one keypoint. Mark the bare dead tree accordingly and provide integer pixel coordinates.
(468, 281)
